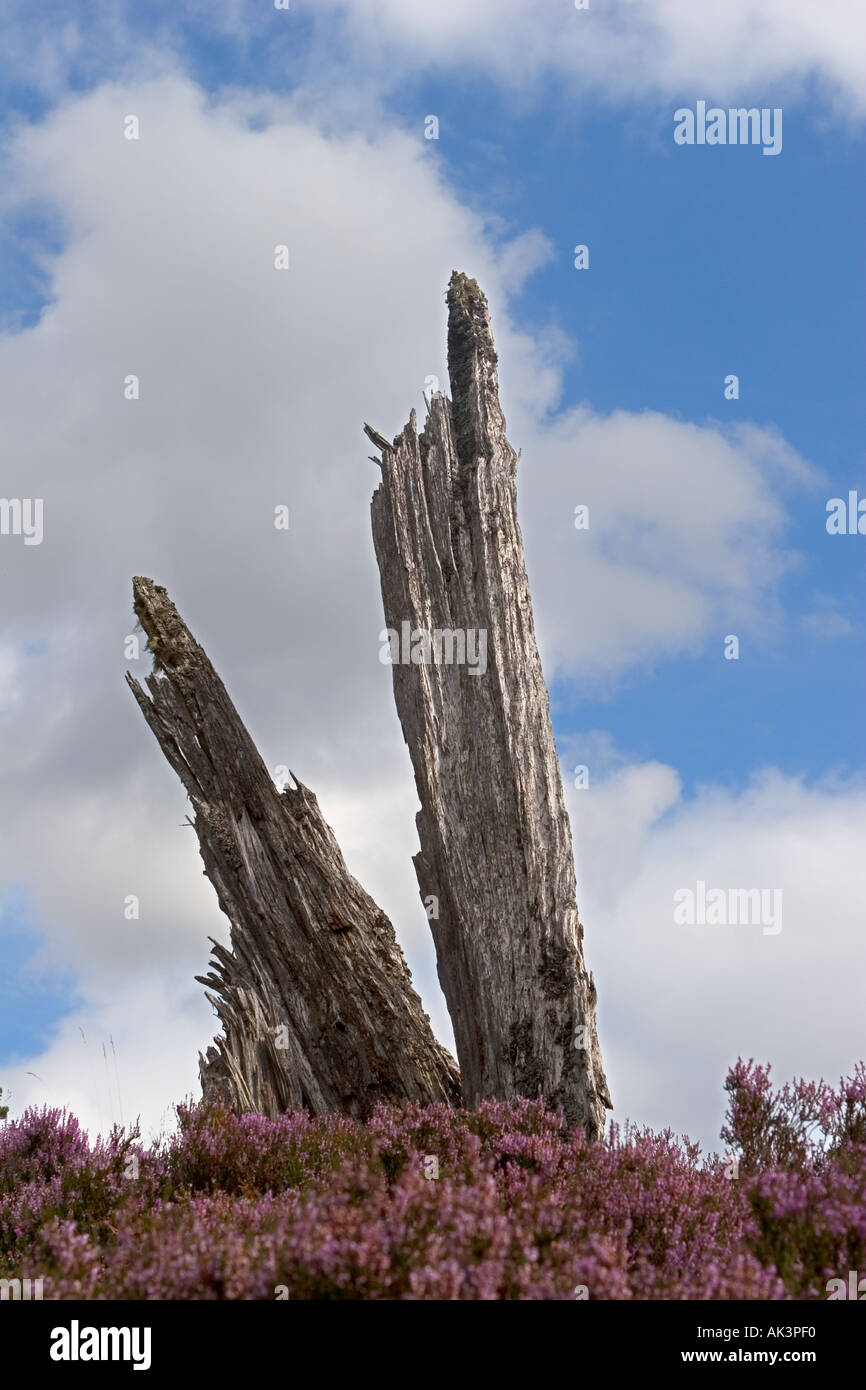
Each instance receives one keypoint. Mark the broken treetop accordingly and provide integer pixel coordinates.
(496, 855)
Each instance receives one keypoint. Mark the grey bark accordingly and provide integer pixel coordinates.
(496, 852)
(315, 999)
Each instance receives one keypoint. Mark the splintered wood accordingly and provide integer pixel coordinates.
(496, 867)
(315, 999)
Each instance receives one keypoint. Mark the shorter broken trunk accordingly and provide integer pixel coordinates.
(315, 998)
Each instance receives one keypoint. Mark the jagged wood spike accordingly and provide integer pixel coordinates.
(496, 852)
(315, 999)
(379, 440)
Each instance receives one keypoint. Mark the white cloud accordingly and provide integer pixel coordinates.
(628, 49)
(826, 621)
(678, 1004)
(628, 52)
(254, 385)
(685, 542)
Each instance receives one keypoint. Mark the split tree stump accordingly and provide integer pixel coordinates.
(315, 998)
(496, 860)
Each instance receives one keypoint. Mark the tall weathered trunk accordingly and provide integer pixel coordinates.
(496, 854)
(315, 998)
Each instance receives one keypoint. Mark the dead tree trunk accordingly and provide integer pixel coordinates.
(496, 854)
(315, 998)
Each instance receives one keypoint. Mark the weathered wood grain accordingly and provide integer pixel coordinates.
(315, 999)
(496, 854)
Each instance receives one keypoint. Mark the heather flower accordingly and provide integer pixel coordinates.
(433, 1203)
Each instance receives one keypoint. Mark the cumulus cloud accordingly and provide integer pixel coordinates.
(628, 49)
(679, 1003)
(683, 540)
(627, 52)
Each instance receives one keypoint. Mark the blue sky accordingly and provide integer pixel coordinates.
(703, 262)
(34, 994)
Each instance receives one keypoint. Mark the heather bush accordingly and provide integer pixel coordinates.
(803, 1160)
(219, 1151)
(419, 1203)
(49, 1170)
(804, 1125)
